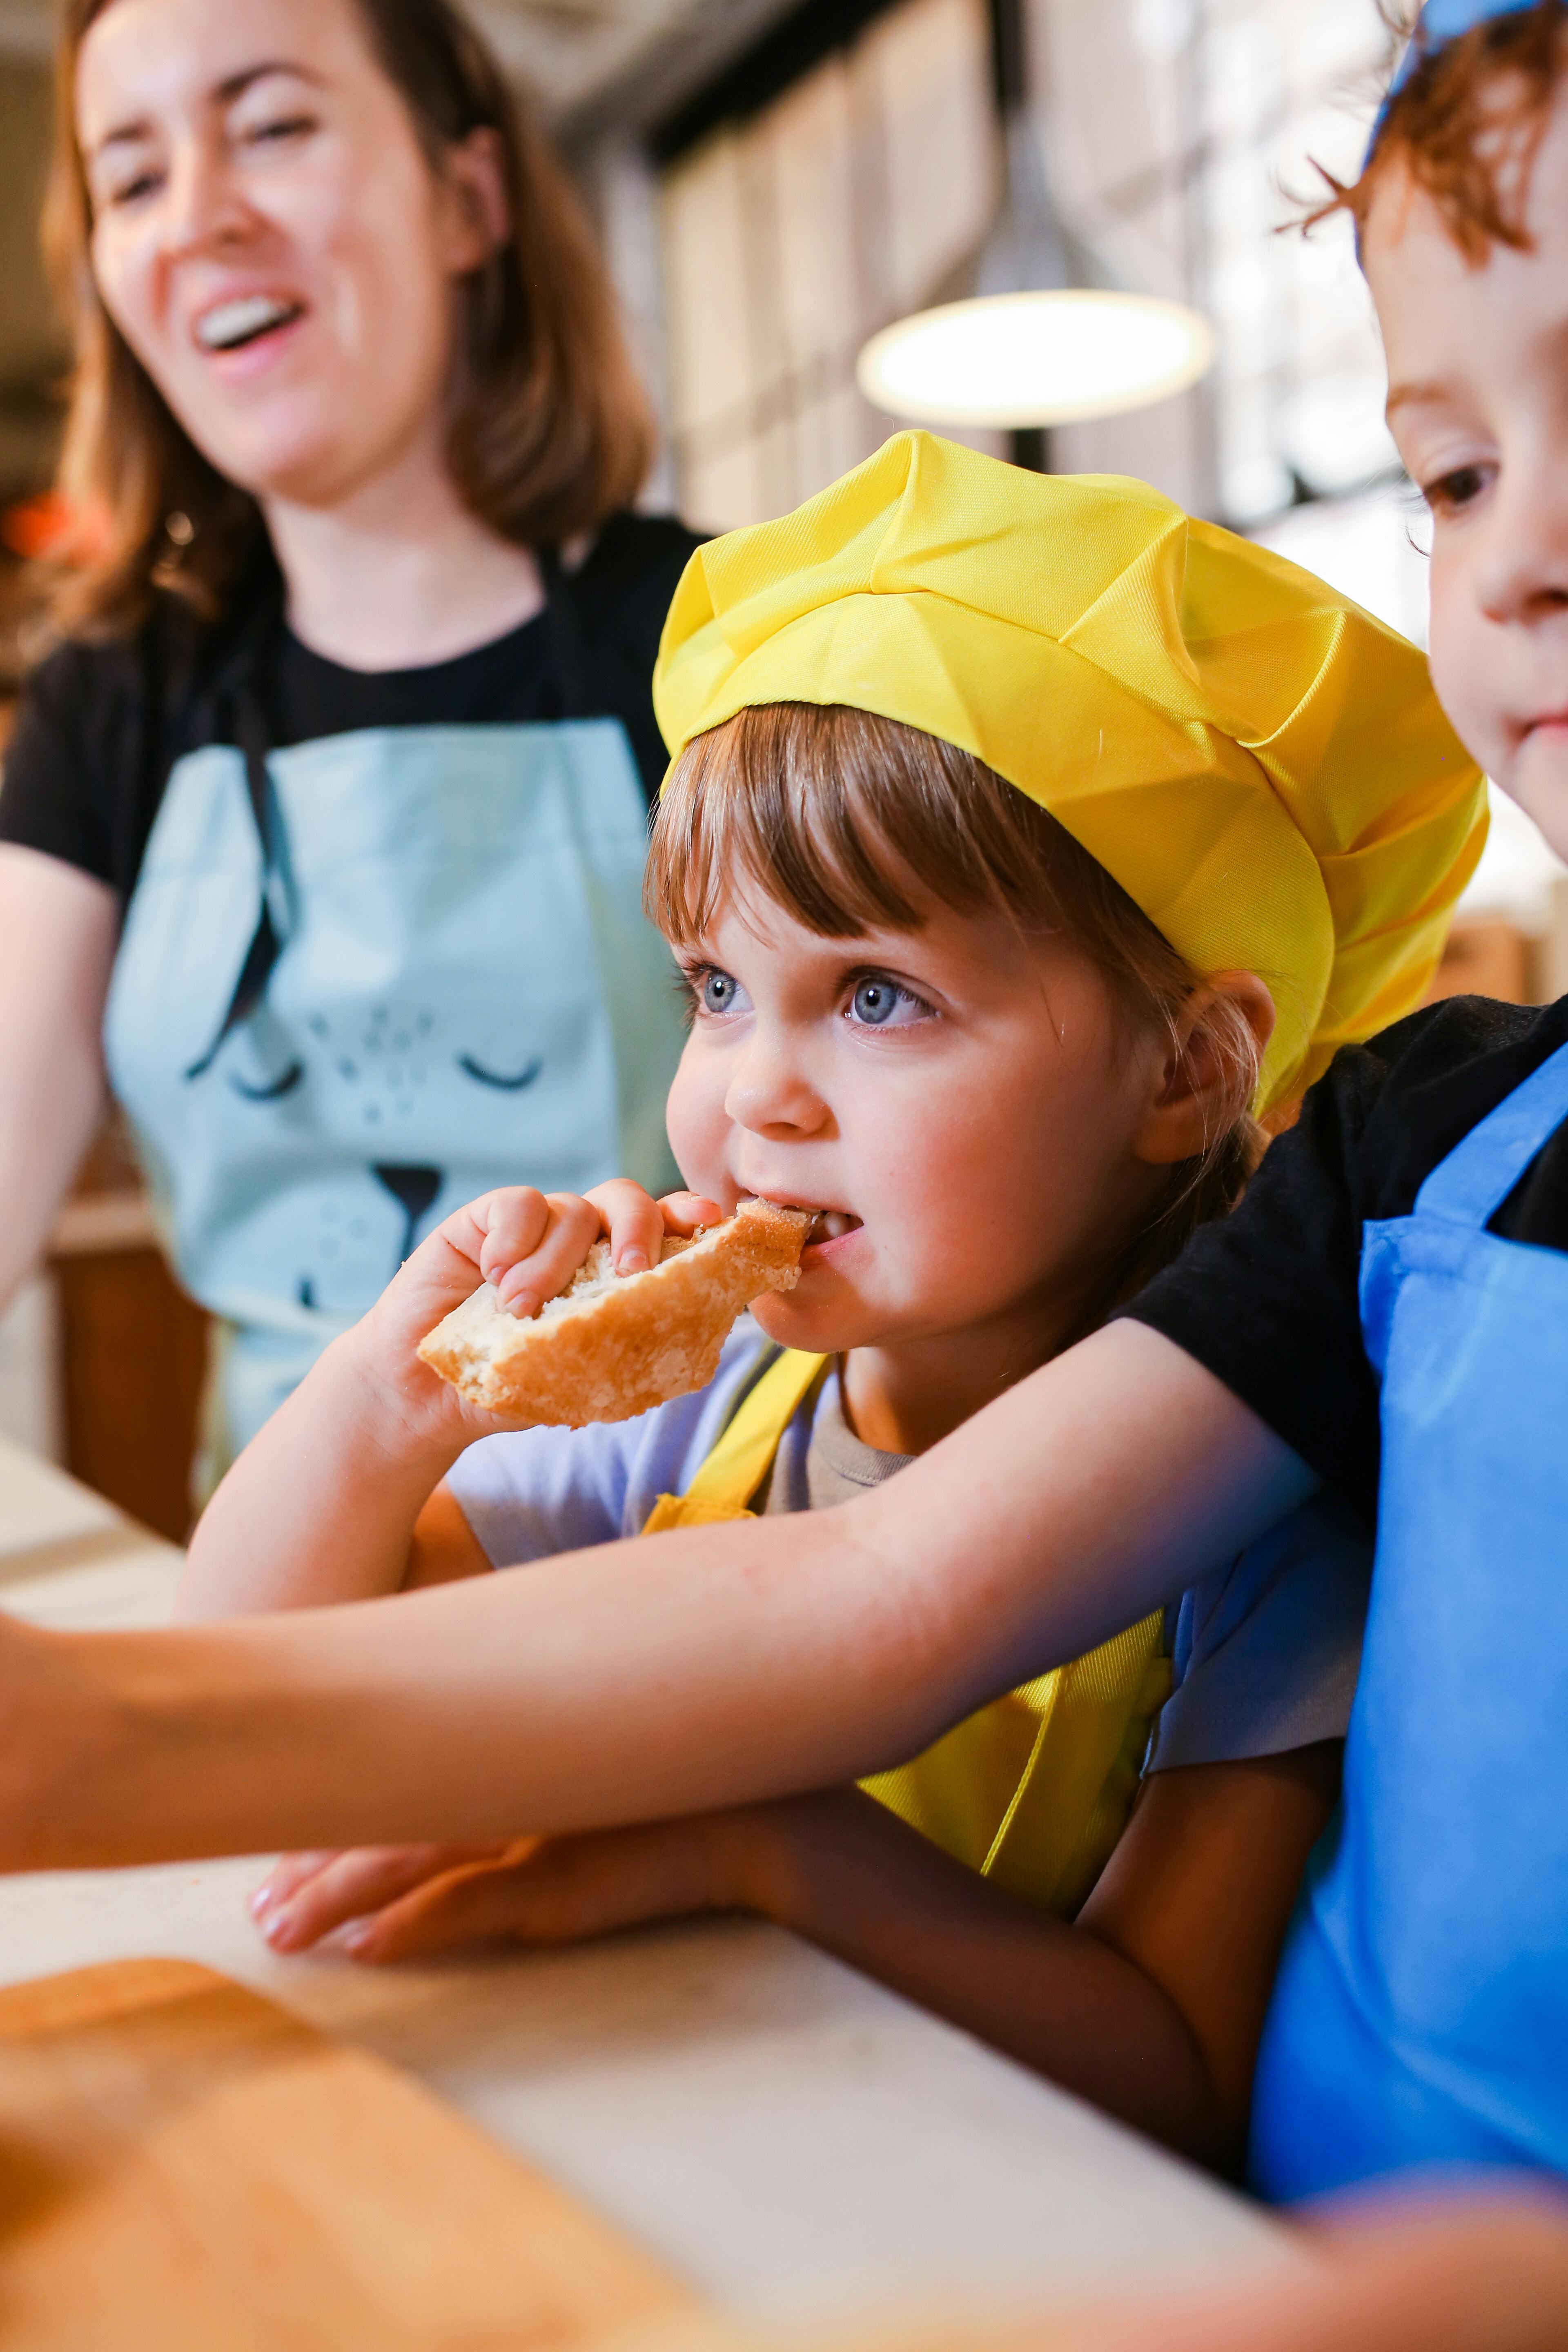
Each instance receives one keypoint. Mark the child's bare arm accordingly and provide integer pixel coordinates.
(323, 1506)
(1152, 2006)
(445, 1547)
(706, 1666)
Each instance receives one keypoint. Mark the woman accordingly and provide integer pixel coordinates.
(322, 830)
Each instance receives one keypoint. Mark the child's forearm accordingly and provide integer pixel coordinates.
(565, 1697)
(320, 1505)
(840, 1870)
(707, 1666)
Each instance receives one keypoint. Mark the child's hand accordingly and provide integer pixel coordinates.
(528, 1244)
(534, 1242)
(405, 1900)
(306, 1895)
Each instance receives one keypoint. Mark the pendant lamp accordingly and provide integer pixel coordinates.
(1030, 348)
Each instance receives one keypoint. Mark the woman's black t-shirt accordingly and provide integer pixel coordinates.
(102, 725)
(1268, 1299)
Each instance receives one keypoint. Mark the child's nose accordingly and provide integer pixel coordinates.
(1523, 572)
(768, 1090)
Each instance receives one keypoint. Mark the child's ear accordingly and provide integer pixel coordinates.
(1206, 1072)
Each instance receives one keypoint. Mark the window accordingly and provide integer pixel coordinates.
(861, 194)
(1184, 135)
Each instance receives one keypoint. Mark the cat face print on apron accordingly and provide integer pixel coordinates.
(1420, 2016)
(450, 986)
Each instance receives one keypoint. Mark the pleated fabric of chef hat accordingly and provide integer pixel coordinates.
(1261, 764)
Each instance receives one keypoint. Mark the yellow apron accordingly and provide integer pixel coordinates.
(1033, 1791)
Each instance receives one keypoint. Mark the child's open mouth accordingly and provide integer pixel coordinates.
(829, 1225)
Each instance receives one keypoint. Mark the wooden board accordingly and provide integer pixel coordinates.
(183, 2168)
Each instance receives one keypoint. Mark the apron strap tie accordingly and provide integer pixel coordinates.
(573, 667)
(1471, 1184)
(253, 735)
(728, 1480)
(568, 639)
(1034, 1790)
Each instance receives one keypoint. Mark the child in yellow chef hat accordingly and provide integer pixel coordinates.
(1023, 836)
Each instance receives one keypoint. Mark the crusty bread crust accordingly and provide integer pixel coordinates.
(612, 1346)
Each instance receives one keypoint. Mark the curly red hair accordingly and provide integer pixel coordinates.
(1467, 126)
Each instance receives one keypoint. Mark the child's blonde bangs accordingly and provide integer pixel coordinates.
(853, 822)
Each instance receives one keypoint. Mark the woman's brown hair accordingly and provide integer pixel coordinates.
(550, 430)
(846, 820)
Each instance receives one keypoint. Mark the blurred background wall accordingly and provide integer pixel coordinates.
(774, 180)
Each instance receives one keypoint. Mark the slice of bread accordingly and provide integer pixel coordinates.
(610, 1345)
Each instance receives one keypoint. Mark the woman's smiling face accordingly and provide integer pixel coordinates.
(270, 236)
(960, 1099)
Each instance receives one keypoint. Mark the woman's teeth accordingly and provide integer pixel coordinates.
(231, 324)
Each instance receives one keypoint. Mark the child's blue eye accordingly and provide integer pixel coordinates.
(718, 993)
(877, 1002)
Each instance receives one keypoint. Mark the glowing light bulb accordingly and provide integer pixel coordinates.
(1018, 360)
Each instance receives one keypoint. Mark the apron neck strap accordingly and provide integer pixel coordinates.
(1471, 1184)
(743, 1456)
(243, 688)
(568, 639)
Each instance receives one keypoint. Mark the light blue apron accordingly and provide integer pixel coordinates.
(451, 985)
(1421, 2013)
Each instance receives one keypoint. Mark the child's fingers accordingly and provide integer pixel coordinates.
(503, 1226)
(349, 1885)
(291, 1871)
(516, 1226)
(525, 1278)
(528, 1244)
(634, 1222)
(494, 1230)
(684, 1212)
(514, 1220)
(528, 1265)
(467, 1907)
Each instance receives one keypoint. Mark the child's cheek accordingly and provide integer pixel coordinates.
(696, 1121)
(1468, 682)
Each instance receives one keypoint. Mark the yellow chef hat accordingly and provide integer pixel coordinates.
(1261, 765)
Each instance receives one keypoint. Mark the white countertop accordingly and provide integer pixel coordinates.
(781, 2131)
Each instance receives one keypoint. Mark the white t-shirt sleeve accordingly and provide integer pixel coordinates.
(531, 1493)
(1267, 1654)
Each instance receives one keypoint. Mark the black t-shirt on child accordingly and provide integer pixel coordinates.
(1267, 1300)
(102, 725)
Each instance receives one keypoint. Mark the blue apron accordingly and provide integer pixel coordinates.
(1421, 2013)
(363, 980)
